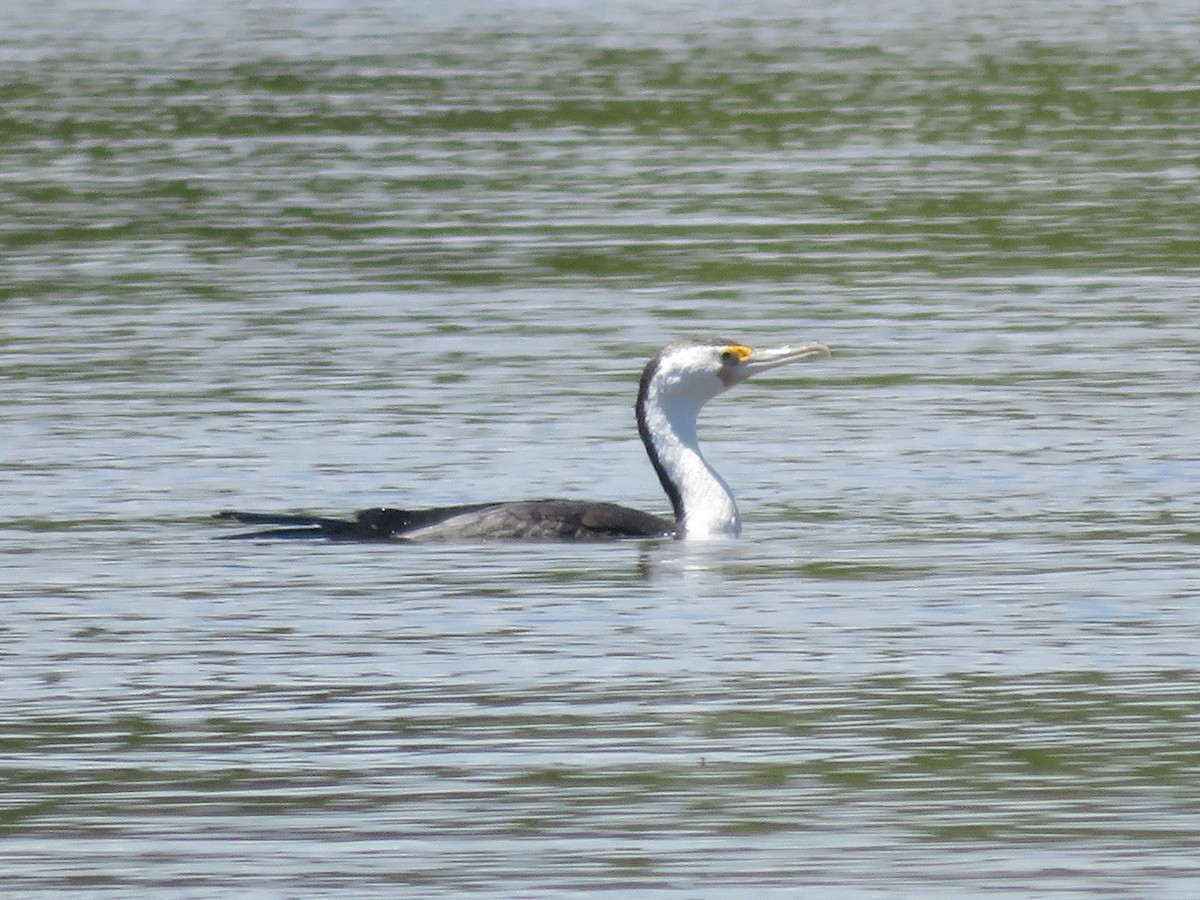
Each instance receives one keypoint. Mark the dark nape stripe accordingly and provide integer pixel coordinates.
(669, 486)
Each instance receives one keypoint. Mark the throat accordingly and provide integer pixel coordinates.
(704, 505)
(709, 510)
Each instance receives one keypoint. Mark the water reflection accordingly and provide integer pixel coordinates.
(326, 258)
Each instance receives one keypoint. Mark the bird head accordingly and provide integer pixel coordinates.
(693, 372)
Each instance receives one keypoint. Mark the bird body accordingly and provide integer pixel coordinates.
(674, 387)
(520, 520)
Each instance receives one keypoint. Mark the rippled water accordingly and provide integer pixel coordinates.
(322, 256)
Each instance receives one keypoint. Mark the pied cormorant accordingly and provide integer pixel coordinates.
(675, 385)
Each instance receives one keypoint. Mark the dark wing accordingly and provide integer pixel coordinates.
(610, 520)
(529, 520)
(545, 520)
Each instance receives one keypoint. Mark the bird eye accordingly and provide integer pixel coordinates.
(735, 354)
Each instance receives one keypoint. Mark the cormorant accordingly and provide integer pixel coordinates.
(675, 385)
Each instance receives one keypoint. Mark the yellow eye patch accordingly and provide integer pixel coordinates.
(736, 353)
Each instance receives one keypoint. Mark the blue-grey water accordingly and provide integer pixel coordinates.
(322, 256)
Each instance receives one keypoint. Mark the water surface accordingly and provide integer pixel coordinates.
(311, 257)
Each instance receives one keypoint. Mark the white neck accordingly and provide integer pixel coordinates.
(704, 505)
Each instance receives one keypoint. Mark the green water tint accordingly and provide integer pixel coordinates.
(966, 754)
(324, 257)
(511, 162)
